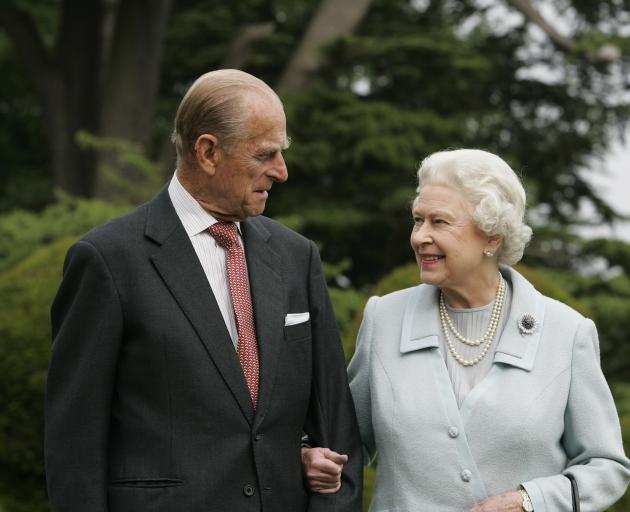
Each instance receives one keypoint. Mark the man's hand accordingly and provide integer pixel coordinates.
(322, 469)
(506, 502)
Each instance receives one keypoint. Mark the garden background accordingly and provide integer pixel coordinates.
(89, 90)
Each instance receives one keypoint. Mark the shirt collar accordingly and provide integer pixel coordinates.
(192, 215)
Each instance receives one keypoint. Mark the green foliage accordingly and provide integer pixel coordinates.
(32, 248)
(22, 232)
(22, 493)
(369, 486)
(555, 285)
(411, 81)
(398, 279)
(621, 392)
(28, 289)
(145, 180)
(348, 304)
(24, 181)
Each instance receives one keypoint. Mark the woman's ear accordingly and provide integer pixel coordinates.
(207, 152)
(494, 243)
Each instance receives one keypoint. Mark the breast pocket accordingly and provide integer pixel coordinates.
(298, 332)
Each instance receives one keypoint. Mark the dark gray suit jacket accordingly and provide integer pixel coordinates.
(147, 408)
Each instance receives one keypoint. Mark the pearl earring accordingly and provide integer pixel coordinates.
(488, 253)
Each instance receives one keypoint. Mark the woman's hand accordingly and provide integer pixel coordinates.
(322, 469)
(506, 502)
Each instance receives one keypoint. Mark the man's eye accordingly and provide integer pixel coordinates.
(266, 156)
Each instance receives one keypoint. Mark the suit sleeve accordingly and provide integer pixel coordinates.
(592, 437)
(331, 418)
(87, 329)
(359, 375)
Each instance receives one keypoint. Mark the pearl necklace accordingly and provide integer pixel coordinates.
(486, 339)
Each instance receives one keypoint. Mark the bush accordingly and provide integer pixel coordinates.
(22, 232)
(32, 249)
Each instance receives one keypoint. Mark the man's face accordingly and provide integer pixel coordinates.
(245, 172)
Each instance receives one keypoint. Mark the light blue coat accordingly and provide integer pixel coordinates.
(544, 409)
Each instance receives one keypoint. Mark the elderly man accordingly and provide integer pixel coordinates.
(193, 339)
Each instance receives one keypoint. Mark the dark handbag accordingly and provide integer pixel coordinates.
(575, 495)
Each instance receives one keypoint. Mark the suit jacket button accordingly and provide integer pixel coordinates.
(466, 475)
(453, 432)
(248, 490)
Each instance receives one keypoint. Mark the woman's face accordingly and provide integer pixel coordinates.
(446, 241)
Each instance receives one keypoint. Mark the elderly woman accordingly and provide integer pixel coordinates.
(477, 392)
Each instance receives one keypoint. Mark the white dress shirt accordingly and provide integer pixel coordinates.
(196, 222)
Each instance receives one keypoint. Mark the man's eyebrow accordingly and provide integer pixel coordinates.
(272, 148)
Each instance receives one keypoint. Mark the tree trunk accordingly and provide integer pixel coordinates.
(84, 84)
(333, 18)
(78, 59)
(66, 82)
(132, 80)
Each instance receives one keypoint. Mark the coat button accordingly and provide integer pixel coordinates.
(453, 432)
(466, 475)
(248, 490)
(258, 437)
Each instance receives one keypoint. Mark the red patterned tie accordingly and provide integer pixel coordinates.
(247, 349)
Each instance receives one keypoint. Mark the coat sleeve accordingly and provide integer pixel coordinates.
(359, 375)
(592, 438)
(331, 420)
(87, 329)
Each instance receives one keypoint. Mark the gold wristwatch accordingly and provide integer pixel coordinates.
(527, 503)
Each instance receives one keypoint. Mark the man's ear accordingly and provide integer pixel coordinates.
(207, 152)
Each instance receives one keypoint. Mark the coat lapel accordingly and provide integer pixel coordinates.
(265, 281)
(421, 324)
(420, 327)
(177, 264)
(516, 348)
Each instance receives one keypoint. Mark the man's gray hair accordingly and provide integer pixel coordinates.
(216, 103)
(493, 190)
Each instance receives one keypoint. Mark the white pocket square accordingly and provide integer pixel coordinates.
(296, 318)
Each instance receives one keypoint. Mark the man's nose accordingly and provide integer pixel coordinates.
(278, 171)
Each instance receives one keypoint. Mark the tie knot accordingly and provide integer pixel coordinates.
(225, 234)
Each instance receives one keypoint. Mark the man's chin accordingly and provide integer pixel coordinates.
(254, 211)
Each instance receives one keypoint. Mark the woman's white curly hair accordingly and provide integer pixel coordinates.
(493, 190)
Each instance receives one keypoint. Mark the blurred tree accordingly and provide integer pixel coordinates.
(479, 69)
(425, 75)
(94, 66)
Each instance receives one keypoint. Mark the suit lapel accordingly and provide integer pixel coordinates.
(177, 264)
(265, 281)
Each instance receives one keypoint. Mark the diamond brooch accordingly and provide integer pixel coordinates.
(527, 323)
